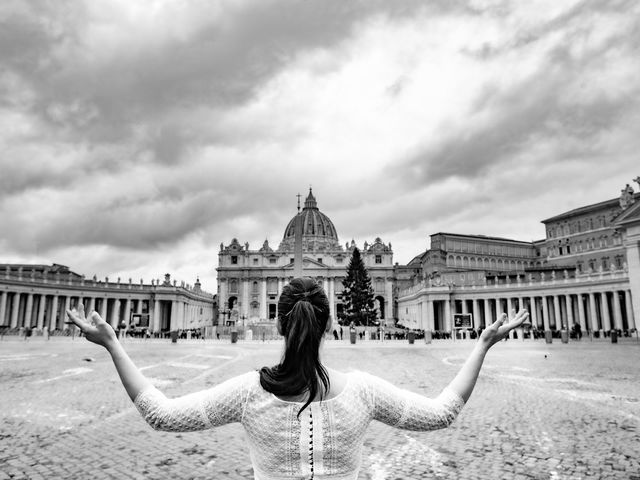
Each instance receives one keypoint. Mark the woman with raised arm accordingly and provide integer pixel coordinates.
(302, 420)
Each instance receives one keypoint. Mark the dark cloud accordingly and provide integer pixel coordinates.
(221, 64)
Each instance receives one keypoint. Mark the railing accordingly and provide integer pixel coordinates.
(74, 281)
(544, 281)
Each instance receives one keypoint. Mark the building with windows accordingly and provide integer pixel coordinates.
(250, 280)
(585, 272)
(37, 296)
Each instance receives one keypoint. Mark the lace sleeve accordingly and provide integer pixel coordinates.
(411, 411)
(216, 406)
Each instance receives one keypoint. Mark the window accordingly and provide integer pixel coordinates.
(255, 287)
(319, 260)
(605, 263)
(291, 259)
(339, 260)
(234, 259)
(255, 261)
(272, 261)
(378, 258)
(568, 249)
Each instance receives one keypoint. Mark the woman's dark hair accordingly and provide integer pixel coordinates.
(303, 312)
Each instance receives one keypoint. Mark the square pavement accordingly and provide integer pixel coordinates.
(539, 411)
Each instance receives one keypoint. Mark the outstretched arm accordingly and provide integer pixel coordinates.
(100, 332)
(465, 380)
(219, 405)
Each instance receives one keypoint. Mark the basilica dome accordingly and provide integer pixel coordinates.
(318, 231)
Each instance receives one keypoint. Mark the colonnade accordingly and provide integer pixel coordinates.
(593, 310)
(47, 310)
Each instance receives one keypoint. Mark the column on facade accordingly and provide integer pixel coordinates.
(593, 312)
(569, 305)
(223, 299)
(428, 312)
(53, 315)
(629, 307)
(174, 316)
(488, 316)
(127, 311)
(14, 310)
(545, 314)
(3, 307)
(465, 308)
(557, 313)
(606, 316)
(67, 306)
(617, 311)
(115, 313)
(263, 299)
(41, 307)
(447, 315)
(103, 309)
(245, 299)
(533, 311)
(139, 306)
(155, 326)
(476, 313)
(92, 305)
(28, 311)
(332, 298)
(581, 314)
(388, 299)
(499, 309)
(511, 307)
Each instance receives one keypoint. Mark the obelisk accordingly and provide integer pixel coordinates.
(297, 245)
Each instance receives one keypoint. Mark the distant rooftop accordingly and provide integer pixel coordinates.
(483, 237)
(614, 202)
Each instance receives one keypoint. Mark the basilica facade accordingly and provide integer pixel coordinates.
(250, 280)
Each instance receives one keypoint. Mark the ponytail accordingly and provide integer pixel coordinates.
(303, 312)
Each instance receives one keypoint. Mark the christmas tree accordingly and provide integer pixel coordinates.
(358, 294)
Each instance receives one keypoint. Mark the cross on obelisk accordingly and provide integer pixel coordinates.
(297, 245)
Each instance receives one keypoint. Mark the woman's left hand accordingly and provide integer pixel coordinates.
(94, 328)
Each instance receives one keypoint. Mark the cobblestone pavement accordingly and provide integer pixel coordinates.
(538, 411)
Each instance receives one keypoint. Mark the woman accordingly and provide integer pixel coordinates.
(303, 420)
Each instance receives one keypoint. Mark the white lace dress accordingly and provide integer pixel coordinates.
(325, 442)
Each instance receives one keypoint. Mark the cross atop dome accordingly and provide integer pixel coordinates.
(310, 201)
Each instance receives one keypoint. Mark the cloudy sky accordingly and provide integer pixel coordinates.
(137, 136)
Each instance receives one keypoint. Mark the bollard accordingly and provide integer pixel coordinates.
(411, 336)
(547, 336)
(614, 336)
(427, 336)
(174, 336)
(234, 337)
(564, 336)
(352, 336)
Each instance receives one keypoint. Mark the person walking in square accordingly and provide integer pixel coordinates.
(302, 419)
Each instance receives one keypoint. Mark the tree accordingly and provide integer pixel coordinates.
(357, 294)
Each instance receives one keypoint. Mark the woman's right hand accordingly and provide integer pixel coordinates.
(94, 328)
